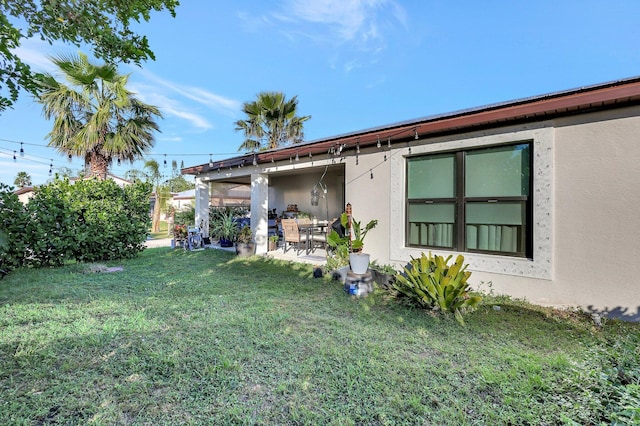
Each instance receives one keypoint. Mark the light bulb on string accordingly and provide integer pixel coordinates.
(210, 161)
(371, 171)
(378, 145)
(297, 156)
(14, 156)
(165, 160)
(255, 160)
(389, 143)
(119, 162)
(21, 150)
(416, 134)
(69, 158)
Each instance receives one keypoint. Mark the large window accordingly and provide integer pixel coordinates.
(477, 200)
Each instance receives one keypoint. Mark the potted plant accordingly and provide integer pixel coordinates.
(350, 247)
(384, 275)
(245, 246)
(224, 227)
(273, 242)
(358, 260)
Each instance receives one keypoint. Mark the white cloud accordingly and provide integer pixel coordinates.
(202, 96)
(354, 21)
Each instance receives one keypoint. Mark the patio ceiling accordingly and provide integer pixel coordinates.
(586, 99)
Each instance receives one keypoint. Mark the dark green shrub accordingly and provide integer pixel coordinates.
(111, 222)
(432, 283)
(185, 216)
(89, 220)
(13, 221)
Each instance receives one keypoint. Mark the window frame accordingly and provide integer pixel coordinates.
(460, 201)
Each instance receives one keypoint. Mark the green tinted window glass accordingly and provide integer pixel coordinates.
(498, 171)
(432, 224)
(495, 226)
(431, 176)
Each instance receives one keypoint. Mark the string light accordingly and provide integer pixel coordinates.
(358, 146)
(371, 171)
(378, 145)
(297, 156)
(416, 135)
(389, 143)
(69, 158)
(118, 161)
(211, 162)
(14, 155)
(21, 150)
(255, 160)
(51, 167)
(165, 160)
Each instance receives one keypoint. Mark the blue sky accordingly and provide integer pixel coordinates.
(354, 64)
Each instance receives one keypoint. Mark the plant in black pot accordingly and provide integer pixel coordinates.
(223, 226)
(245, 245)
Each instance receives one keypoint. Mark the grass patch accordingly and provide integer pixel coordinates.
(162, 231)
(182, 337)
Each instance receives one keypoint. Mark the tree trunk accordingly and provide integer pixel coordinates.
(155, 221)
(98, 165)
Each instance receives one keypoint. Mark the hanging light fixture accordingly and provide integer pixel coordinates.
(255, 160)
(416, 137)
(119, 161)
(211, 161)
(165, 160)
(371, 171)
(297, 156)
(358, 146)
(69, 158)
(389, 142)
(378, 144)
(21, 150)
(14, 155)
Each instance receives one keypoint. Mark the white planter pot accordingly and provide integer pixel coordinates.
(359, 262)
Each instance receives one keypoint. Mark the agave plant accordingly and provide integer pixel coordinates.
(432, 283)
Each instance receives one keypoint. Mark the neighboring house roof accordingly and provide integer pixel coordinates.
(118, 180)
(613, 94)
(184, 195)
(23, 190)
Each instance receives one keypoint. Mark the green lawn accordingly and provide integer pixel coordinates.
(162, 232)
(206, 338)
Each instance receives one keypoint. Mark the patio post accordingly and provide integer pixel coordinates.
(259, 210)
(202, 206)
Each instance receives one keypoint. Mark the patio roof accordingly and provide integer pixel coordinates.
(609, 95)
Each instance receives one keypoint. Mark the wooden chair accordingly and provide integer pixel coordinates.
(292, 234)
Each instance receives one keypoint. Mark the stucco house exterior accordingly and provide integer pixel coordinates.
(541, 195)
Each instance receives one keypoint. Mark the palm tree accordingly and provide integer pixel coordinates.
(95, 116)
(22, 179)
(271, 122)
(162, 192)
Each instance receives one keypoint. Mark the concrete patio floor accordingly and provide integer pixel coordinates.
(316, 257)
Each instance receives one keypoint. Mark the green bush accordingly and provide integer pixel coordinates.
(185, 216)
(13, 220)
(89, 220)
(431, 283)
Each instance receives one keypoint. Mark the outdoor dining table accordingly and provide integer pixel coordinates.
(311, 229)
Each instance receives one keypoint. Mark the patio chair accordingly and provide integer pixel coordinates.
(292, 235)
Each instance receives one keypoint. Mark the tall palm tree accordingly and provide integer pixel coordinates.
(271, 122)
(161, 192)
(22, 179)
(95, 116)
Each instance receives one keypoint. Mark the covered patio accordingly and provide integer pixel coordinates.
(310, 186)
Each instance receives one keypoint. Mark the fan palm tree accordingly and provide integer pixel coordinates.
(161, 191)
(271, 122)
(22, 179)
(95, 116)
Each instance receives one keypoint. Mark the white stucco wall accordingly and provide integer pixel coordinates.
(586, 203)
